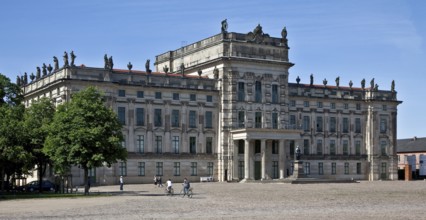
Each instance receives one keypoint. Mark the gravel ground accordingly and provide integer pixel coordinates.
(364, 200)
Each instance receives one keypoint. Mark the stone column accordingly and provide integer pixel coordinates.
(246, 159)
(282, 158)
(235, 160)
(263, 155)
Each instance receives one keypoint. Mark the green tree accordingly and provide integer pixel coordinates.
(13, 157)
(37, 119)
(85, 133)
(10, 93)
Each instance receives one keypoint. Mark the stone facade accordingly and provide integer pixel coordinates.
(227, 110)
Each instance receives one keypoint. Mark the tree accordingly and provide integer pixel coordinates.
(85, 133)
(10, 93)
(13, 157)
(37, 118)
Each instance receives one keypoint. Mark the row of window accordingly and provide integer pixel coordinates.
(175, 117)
(257, 119)
(159, 95)
(307, 104)
(176, 145)
(257, 92)
(159, 169)
(307, 168)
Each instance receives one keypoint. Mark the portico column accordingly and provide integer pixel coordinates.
(263, 154)
(282, 159)
(236, 160)
(246, 159)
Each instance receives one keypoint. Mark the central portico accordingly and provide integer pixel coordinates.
(262, 152)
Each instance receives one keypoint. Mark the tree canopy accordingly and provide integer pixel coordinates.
(86, 133)
(10, 93)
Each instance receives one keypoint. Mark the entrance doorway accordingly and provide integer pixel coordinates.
(257, 170)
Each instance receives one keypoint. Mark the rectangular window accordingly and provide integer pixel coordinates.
(241, 146)
(319, 147)
(258, 91)
(241, 118)
(345, 125)
(332, 147)
(319, 124)
(258, 120)
(346, 168)
(121, 93)
(357, 125)
(123, 142)
(358, 148)
(383, 125)
(345, 147)
(292, 103)
(209, 119)
(358, 168)
(192, 119)
(333, 105)
(307, 168)
(209, 145)
(123, 169)
(306, 147)
(319, 104)
(383, 146)
(358, 106)
(141, 168)
(159, 169)
(333, 168)
(209, 98)
(176, 168)
(175, 144)
(320, 168)
(141, 144)
(274, 120)
(140, 94)
(140, 117)
(241, 92)
(175, 96)
(274, 94)
(158, 144)
(274, 147)
(192, 145)
(257, 146)
(306, 123)
(210, 168)
(158, 122)
(275, 170)
(157, 95)
(293, 121)
(346, 106)
(192, 97)
(194, 169)
(306, 104)
(122, 115)
(175, 118)
(332, 124)
(385, 107)
(383, 173)
(240, 170)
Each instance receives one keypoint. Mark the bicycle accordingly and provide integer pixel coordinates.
(189, 193)
(169, 192)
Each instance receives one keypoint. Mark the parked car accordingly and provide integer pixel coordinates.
(33, 186)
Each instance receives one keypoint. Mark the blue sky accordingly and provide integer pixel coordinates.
(353, 39)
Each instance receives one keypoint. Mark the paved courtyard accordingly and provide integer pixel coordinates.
(364, 200)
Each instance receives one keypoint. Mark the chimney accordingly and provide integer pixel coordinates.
(414, 138)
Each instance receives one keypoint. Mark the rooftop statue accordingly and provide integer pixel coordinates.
(129, 66)
(298, 80)
(216, 73)
(350, 84)
(376, 88)
(56, 63)
(324, 82)
(166, 69)
(182, 69)
(25, 78)
(200, 72)
(110, 63)
(312, 80)
(18, 80)
(372, 84)
(284, 33)
(337, 81)
(393, 86)
(224, 28)
(49, 68)
(363, 83)
(32, 77)
(257, 36)
(72, 58)
(147, 66)
(106, 61)
(66, 64)
(38, 74)
(44, 69)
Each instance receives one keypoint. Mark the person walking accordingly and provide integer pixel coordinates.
(186, 186)
(121, 183)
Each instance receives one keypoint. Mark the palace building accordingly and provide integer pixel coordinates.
(223, 107)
